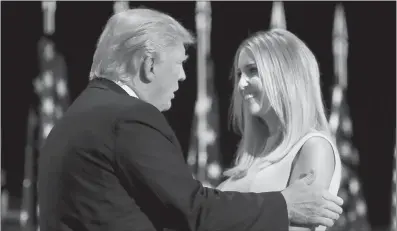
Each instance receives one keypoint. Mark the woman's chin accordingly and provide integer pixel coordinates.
(254, 109)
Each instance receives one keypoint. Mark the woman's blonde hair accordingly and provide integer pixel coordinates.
(291, 80)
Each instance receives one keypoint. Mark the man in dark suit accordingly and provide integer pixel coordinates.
(113, 162)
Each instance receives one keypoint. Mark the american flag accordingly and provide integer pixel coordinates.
(204, 156)
(52, 93)
(354, 216)
(277, 19)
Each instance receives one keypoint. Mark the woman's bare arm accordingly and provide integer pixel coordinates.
(316, 154)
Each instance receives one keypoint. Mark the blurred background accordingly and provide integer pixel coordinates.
(47, 49)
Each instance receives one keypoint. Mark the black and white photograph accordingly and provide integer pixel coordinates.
(198, 116)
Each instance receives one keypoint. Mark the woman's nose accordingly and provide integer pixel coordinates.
(243, 82)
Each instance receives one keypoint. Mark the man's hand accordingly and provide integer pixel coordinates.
(309, 205)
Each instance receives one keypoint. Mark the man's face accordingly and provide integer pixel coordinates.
(168, 70)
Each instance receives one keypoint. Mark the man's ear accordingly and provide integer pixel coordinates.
(147, 70)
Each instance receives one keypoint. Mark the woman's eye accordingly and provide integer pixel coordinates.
(253, 70)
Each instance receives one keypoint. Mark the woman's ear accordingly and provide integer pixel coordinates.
(147, 70)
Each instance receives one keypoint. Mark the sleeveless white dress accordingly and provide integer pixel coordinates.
(263, 181)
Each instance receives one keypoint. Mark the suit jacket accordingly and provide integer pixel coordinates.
(113, 163)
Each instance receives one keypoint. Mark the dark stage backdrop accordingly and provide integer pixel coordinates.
(371, 68)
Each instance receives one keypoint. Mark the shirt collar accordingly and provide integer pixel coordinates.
(127, 89)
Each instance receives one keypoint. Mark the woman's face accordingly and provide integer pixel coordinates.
(250, 85)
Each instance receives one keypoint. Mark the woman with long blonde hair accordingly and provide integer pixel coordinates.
(277, 108)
